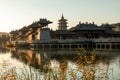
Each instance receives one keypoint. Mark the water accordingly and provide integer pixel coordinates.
(62, 64)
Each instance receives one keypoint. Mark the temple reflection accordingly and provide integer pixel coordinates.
(87, 65)
(3, 50)
(31, 58)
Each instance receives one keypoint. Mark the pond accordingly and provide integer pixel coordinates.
(25, 64)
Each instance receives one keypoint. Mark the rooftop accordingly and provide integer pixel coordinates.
(87, 26)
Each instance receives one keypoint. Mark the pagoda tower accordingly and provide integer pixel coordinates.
(62, 23)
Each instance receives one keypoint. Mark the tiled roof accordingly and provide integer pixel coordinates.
(87, 27)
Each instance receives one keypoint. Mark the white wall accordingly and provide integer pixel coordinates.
(43, 34)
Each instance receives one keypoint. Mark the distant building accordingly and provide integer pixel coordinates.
(62, 23)
(4, 37)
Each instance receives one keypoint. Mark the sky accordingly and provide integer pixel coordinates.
(15, 14)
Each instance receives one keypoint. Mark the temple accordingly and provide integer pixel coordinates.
(83, 35)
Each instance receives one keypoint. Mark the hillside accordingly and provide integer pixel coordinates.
(4, 33)
(3, 37)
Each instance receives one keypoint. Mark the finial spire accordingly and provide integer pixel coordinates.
(62, 16)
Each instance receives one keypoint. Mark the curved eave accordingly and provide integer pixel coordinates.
(62, 20)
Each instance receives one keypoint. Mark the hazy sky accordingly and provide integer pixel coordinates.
(14, 14)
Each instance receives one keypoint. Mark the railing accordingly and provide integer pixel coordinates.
(106, 40)
(75, 40)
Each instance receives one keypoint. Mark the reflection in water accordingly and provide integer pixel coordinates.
(80, 65)
(32, 58)
(3, 50)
